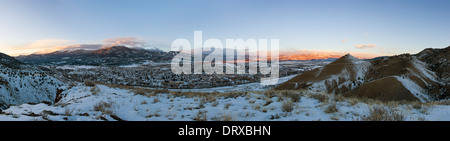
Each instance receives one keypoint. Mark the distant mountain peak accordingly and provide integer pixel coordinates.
(349, 56)
(347, 59)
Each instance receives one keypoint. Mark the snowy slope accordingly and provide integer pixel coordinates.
(82, 104)
(346, 79)
(22, 83)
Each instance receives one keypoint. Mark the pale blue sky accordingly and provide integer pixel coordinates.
(392, 26)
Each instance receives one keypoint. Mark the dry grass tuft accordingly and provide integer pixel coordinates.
(201, 104)
(339, 98)
(353, 101)
(287, 106)
(227, 105)
(227, 117)
(268, 102)
(200, 116)
(446, 102)
(68, 112)
(215, 103)
(140, 91)
(383, 114)
(104, 107)
(210, 98)
(94, 90)
(89, 83)
(417, 106)
(155, 99)
(323, 98)
(421, 107)
(331, 108)
(293, 95)
(270, 93)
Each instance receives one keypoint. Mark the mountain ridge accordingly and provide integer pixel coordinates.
(115, 55)
(423, 77)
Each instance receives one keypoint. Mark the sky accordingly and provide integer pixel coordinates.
(365, 27)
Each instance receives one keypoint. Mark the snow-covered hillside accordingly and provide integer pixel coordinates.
(339, 76)
(21, 83)
(350, 76)
(102, 102)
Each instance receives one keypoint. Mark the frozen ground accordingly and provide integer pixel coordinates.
(101, 102)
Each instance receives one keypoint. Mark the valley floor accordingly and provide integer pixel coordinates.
(101, 102)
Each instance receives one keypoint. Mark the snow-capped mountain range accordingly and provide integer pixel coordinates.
(116, 55)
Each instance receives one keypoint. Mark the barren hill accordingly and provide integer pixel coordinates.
(339, 76)
(423, 77)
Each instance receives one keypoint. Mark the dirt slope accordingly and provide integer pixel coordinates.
(378, 89)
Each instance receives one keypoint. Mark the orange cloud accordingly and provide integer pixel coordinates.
(35, 46)
(361, 46)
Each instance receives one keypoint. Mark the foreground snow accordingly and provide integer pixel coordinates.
(101, 102)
